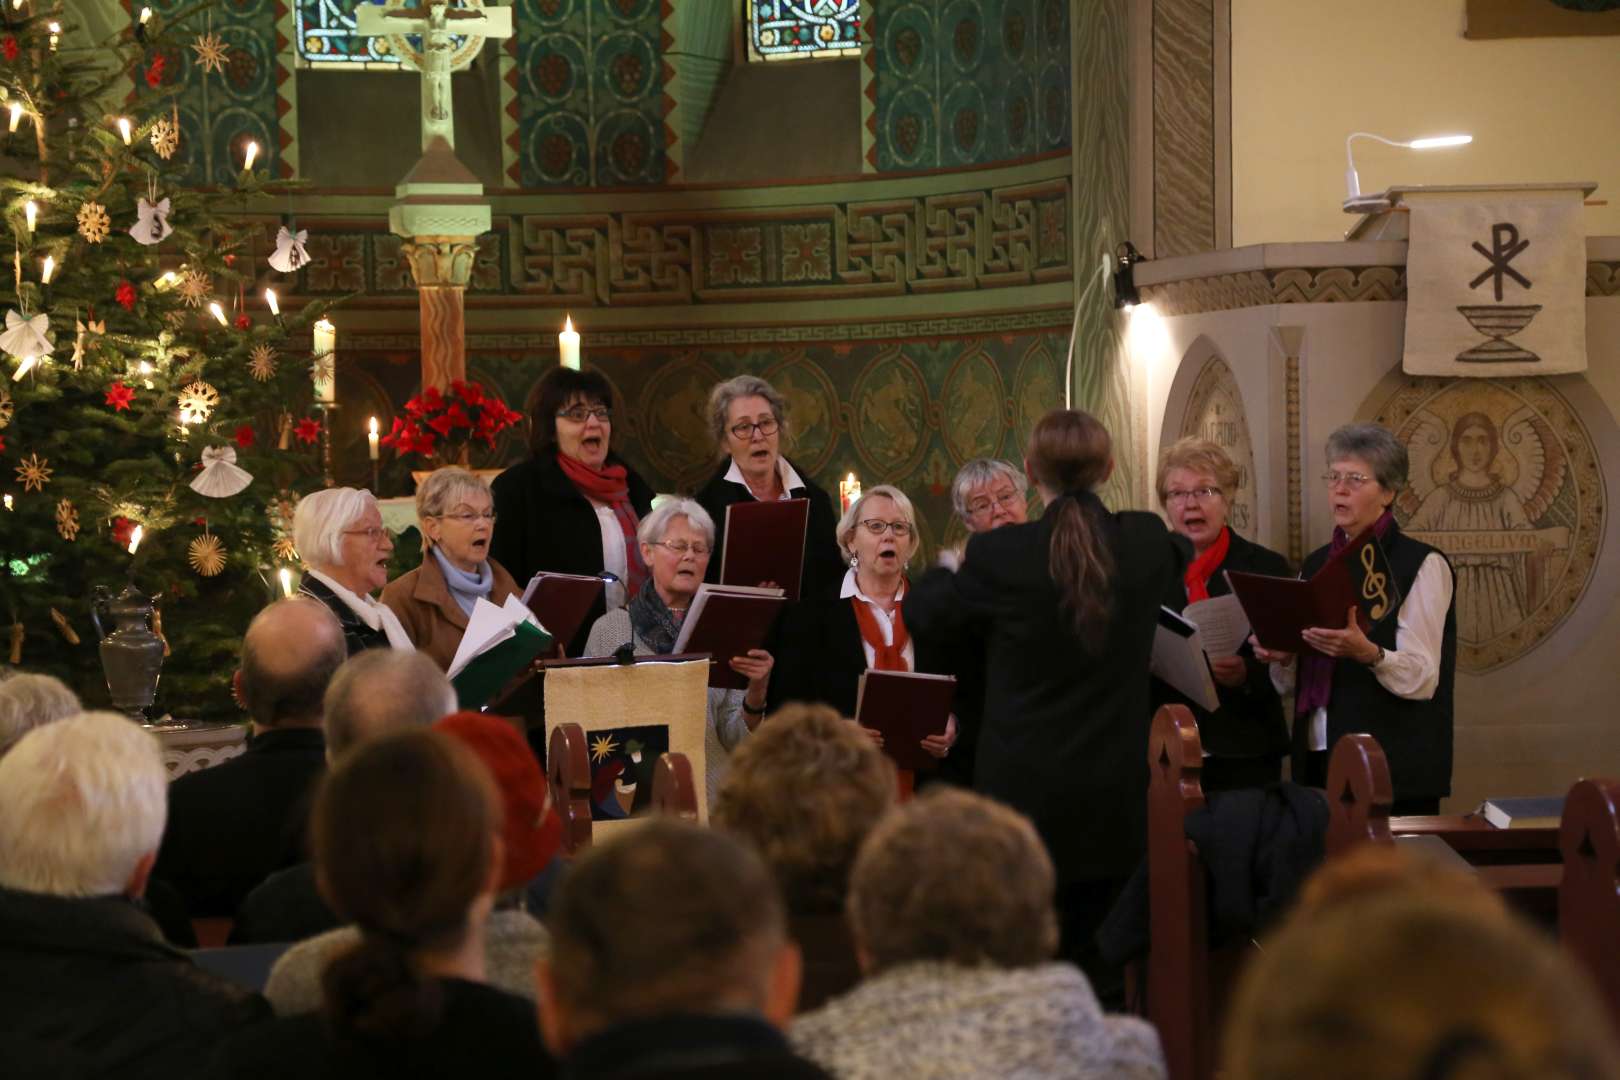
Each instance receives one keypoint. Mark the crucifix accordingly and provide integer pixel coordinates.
(438, 25)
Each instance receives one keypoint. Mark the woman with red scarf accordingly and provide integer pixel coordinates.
(574, 506)
(1247, 736)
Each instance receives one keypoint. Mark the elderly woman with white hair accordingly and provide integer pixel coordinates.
(28, 701)
(340, 536)
(433, 602)
(675, 541)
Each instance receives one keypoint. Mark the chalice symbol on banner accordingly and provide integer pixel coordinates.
(1499, 321)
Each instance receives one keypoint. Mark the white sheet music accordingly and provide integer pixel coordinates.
(1178, 659)
(487, 627)
(1221, 623)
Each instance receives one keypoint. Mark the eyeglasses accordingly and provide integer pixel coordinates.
(1352, 481)
(376, 534)
(746, 429)
(469, 519)
(985, 503)
(877, 527)
(680, 548)
(1202, 494)
(581, 413)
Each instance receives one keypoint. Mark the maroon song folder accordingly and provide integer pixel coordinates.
(726, 621)
(561, 602)
(905, 707)
(1279, 609)
(765, 542)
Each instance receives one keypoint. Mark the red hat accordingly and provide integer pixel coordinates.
(533, 830)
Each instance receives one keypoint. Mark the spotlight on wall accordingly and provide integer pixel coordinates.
(1125, 294)
(1352, 182)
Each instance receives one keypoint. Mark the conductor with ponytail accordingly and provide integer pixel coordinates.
(1066, 608)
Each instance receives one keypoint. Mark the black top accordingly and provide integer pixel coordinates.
(90, 988)
(1415, 735)
(1065, 730)
(482, 1032)
(1250, 721)
(546, 524)
(669, 1047)
(286, 906)
(823, 565)
(356, 634)
(232, 825)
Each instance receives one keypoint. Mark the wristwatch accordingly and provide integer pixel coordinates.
(1379, 659)
(751, 711)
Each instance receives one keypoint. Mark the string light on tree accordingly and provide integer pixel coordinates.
(218, 313)
(270, 298)
(56, 33)
(125, 131)
(16, 116)
(47, 269)
(30, 210)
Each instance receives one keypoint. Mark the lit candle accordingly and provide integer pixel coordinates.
(135, 539)
(8, 500)
(125, 130)
(372, 439)
(16, 115)
(568, 344)
(270, 298)
(47, 269)
(146, 15)
(23, 368)
(286, 581)
(168, 279)
(252, 152)
(218, 313)
(325, 368)
(849, 490)
(30, 211)
(56, 31)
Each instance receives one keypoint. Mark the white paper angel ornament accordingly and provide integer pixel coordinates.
(221, 477)
(26, 339)
(152, 221)
(289, 254)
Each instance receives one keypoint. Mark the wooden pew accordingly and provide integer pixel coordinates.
(568, 769)
(674, 793)
(1589, 896)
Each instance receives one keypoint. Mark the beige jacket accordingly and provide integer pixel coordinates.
(430, 614)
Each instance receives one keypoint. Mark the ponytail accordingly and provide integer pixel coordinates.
(373, 992)
(1069, 451)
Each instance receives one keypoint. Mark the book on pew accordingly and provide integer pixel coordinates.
(726, 621)
(1533, 812)
(561, 601)
(1178, 659)
(764, 541)
(905, 707)
(498, 646)
(1280, 609)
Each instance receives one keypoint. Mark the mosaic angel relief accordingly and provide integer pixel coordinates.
(1215, 412)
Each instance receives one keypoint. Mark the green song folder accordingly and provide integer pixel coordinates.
(488, 672)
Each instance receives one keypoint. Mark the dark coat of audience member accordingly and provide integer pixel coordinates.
(697, 1046)
(88, 987)
(286, 906)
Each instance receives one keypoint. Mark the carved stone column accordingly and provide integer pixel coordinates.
(441, 214)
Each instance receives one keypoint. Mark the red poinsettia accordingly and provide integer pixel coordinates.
(122, 530)
(10, 48)
(154, 74)
(308, 430)
(125, 295)
(243, 322)
(119, 396)
(436, 421)
(244, 436)
(2, 444)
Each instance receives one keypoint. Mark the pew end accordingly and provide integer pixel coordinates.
(568, 770)
(1589, 895)
(674, 791)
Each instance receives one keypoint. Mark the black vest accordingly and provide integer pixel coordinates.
(1415, 735)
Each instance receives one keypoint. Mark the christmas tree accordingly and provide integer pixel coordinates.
(138, 358)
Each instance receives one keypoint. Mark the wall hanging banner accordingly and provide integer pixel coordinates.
(1496, 287)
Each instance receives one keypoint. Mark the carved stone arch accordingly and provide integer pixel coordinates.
(1205, 400)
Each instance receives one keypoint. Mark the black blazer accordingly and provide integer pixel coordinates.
(817, 646)
(1065, 731)
(546, 524)
(823, 564)
(356, 634)
(233, 825)
(1250, 721)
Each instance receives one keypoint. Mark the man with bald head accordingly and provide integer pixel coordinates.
(232, 825)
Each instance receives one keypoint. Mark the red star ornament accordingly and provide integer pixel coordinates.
(308, 430)
(154, 74)
(125, 295)
(10, 48)
(243, 322)
(244, 436)
(119, 396)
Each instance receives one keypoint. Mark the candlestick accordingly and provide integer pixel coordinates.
(568, 344)
(849, 492)
(325, 366)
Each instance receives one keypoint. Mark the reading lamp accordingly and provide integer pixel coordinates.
(1125, 292)
(1352, 182)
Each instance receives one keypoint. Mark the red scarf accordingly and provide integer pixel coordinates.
(610, 485)
(886, 656)
(1204, 567)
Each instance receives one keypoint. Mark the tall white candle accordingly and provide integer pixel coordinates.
(372, 438)
(568, 344)
(270, 298)
(325, 361)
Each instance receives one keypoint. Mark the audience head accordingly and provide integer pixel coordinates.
(289, 654)
(380, 691)
(1069, 453)
(406, 832)
(1410, 982)
(339, 531)
(531, 829)
(457, 514)
(886, 551)
(28, 701)
(82, 807)
(953, 877)
(572, 415)
(1196, 478)
(677, 539)
(1366, 469)
(668, 918)
(988, 494)
(748, 420)
(804, 790)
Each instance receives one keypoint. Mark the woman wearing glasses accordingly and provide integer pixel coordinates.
(1395, 681)
(746, 418)
(433, 602)
(675, 542)
(1247, 736)
(339, 535)
(827, 641)
(574, 506)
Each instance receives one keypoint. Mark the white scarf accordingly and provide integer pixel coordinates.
(375, 615)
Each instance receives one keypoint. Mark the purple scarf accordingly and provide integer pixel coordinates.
(1315, 670)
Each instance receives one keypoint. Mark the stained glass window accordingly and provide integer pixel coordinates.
(793, 29)
(327, 37)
